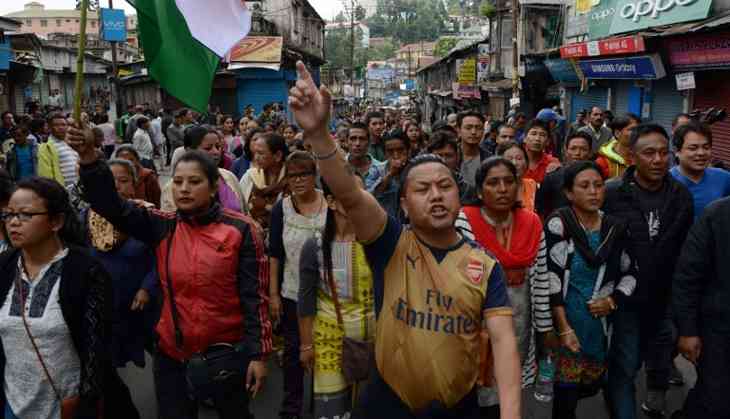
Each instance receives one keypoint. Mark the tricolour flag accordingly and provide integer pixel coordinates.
(183, 41)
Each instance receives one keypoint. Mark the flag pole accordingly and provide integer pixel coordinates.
(78, 88)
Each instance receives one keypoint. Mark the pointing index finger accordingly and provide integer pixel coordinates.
(303, 73)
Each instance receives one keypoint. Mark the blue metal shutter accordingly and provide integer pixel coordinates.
(260, 92)
(595, 96)
(667, 102)
(622, 93)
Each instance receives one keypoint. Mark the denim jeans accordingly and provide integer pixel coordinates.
(660, 344)
(624, 362)
(709, 398)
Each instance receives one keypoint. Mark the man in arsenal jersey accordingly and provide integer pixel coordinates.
(435, 292)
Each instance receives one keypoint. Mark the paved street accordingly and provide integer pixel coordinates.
(266, 404)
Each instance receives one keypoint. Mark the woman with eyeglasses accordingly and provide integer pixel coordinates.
(54, 302)
(294, 220)
(206, 139)
(214, 277)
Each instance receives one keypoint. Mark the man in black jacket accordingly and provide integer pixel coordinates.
(658, 211)
(550, 195)
(700, 295)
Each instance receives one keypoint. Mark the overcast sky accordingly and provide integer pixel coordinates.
(328, 9)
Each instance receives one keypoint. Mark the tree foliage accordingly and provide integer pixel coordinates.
(443, 46)
(408, 21)
(337, 46)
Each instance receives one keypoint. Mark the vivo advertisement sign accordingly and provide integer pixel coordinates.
(6, 54)
(113, 25)
(646, 67)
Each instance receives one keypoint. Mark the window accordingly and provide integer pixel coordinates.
(44, 23)
(76, 21)
(28, 22)
(68, 20)
(58, 22)
(93, 23)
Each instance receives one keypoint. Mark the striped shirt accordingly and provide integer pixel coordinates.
(68, 159)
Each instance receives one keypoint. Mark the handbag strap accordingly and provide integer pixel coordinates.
(179, 338)
(19, 286)
(335, 299)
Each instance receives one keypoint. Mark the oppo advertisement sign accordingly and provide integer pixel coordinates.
(611, 17)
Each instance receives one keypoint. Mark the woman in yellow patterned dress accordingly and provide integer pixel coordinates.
(337, 258)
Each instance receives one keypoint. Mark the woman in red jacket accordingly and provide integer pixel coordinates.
(214, 279)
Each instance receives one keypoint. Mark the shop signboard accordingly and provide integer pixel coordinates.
(600, 18)
(647, 67)
(380, 73)
(465, 92)
(483, 64)
(468, 72)
(562, 71)
(633, 15)
(611, 46)
(685, 81)
(113, 26)
(610, 17)
(699, 51)
(5, 55)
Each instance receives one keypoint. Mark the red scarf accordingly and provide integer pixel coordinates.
(524, 243)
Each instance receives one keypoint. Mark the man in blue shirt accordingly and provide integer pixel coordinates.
(693, 142)
(22, 159)
(384, 182)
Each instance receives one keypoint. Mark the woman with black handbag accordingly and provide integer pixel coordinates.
(336, 314)
(214, 330)
(54, 309)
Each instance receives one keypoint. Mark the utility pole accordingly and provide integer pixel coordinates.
(352, 44)
(498, 45)
(115, 103)
(515, 51)
(410, 61)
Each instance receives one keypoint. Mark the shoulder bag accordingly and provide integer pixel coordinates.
(69, 405)
(209, 371)
(357, 355)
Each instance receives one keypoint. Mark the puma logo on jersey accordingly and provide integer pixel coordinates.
(412, 260)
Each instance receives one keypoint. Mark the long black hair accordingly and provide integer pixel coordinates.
(328, 237)
(57, 203)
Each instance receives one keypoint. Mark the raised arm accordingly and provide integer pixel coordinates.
(101, 193)
(311, 108)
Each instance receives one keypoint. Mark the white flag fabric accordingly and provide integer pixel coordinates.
(217, 24)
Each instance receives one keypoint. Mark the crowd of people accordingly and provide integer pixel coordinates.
(408, 274)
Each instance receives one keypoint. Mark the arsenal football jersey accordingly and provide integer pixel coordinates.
(431, 305)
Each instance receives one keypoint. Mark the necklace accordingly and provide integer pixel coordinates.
(593, 227)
